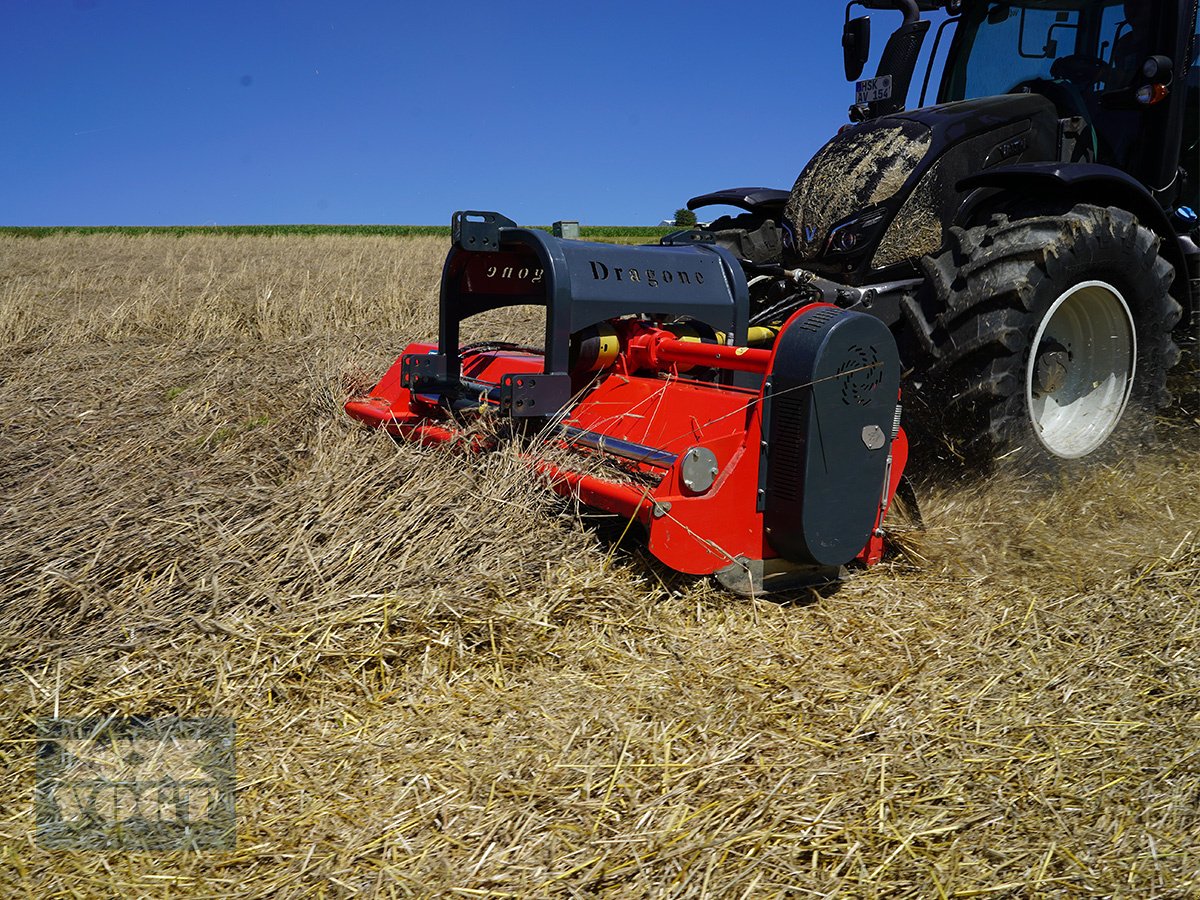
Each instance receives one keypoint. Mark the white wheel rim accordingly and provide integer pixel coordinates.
(1076, 408)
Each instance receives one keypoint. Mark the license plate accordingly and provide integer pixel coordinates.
(872, 89)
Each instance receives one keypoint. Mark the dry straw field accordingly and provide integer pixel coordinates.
(446, 684)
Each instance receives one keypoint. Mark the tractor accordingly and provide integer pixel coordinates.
(1030, 239)
(1009, 267)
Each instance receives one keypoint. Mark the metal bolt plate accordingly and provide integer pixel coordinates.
(699, 469)
(873, 437)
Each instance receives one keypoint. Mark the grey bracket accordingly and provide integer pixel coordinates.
(478, 230)
(537, 394)
(423, 371)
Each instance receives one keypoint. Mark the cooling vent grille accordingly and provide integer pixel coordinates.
(860, 374)
(787, 447)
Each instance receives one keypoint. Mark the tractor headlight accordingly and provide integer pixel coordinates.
(854, 232)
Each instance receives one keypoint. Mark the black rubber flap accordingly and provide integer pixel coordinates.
(829, 415)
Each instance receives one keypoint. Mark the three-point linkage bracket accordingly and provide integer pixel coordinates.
(537, 394)
(474, 229)
(420, 372)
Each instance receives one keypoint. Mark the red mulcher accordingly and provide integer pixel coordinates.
(765, 467)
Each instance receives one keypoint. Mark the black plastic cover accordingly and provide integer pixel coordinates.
(828, 416)
(768, 201)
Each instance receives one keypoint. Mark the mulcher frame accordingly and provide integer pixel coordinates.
(789, 455)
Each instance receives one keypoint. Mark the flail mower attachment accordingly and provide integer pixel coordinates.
(767, 467)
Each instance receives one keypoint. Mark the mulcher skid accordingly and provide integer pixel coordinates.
(763, 466)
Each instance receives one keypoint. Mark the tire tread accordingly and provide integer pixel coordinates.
(986, 286)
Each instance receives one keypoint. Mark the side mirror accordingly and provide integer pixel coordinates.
(856, 46)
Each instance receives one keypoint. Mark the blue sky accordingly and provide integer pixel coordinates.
(366, 111)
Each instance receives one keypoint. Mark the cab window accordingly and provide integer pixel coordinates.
(1009, 45)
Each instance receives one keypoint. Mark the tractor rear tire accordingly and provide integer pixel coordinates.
(1046, 328)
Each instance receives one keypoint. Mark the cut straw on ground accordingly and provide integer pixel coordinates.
(447, 683)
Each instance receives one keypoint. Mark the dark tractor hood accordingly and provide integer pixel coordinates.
(881, 194)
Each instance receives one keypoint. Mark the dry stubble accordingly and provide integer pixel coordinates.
(444, 684)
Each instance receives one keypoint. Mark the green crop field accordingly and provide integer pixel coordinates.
(587, 232)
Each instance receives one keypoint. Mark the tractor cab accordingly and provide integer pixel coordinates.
(1117, 71)
(1120, 73)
